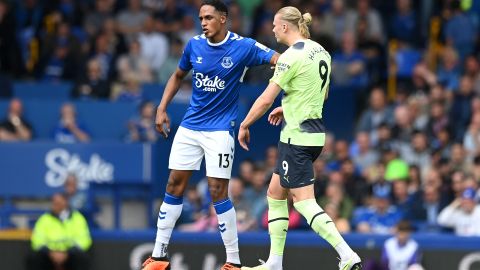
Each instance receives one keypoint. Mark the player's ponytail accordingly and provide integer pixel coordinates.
(303, 24)
(295, 17)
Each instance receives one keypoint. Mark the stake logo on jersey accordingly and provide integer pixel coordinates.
(217, 71)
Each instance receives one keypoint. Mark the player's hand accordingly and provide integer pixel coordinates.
(162, 123)
(276, 116)
(244, 137)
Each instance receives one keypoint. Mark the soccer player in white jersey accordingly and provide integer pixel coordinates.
(218, 60)
(303, 72)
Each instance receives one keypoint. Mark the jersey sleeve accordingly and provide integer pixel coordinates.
(185, 63)
(258, 54)
(285, 70)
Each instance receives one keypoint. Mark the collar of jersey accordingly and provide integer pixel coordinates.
(221, 42)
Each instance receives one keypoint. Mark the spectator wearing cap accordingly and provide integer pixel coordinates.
(400, 251)
(463, 215)
(381, 217)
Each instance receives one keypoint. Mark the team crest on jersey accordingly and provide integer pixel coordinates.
(227, 62)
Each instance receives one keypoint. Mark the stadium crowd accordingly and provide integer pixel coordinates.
(414, 67)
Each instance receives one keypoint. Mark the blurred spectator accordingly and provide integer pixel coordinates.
(377, 113)
(463, 41)
(92, 86)
(354, 183)
(245, 174)
(335, 194)
(463, 215)
(472, 69)
(381, 217)
(171, 63)
(417, 152)
(60, 239)
(68, 129)
(245, 221)
(401, 197)
(255, 193)
(438, 121)
(76, 198)
(375, 25)
(188, 29)
(131, 90)
(471, 141)
(15, 127)
(425, 208)
(403, 129)
(336, 22)
(348, 65)
(131, 20)
(168, 18)
(206, 222)
(134, 63)
(401, 251)
(192, 206)
(373, 51)
(403, 24)
(104, 56)
(93, 22)
(365, 157)
(449, 70)
(341, 154)
(333, 211)
(154, 46)
(142, 128)
(458, 158)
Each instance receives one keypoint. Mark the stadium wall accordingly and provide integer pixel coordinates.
(204, 251)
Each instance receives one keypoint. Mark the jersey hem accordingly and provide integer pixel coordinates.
(205, 129)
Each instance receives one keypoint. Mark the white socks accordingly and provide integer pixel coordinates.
(227, 225)
(167, 217)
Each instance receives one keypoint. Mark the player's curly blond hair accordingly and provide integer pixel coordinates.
(295, 17)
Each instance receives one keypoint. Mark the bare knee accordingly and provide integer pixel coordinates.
(218, 188)
(177, 182)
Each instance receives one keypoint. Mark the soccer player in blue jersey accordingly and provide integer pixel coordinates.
(218, 60)
(303, 72)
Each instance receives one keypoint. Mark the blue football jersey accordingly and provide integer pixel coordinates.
(218, 71)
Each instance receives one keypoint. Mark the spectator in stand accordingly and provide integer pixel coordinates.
(154, 45)
(472, 69)
(400, 252)
(104, 55)
(68, 129)
(192, 206)
(377, 113)
(246, 169)
(417, 153)
(365, 156)
(458, 158)
(93, 22)
(349, 65)
(336, 22)
(460, 111)
(335, 194)
(142, 128)
(463, 41)
(131, 90)
(60, 239)
(169, 17)
(425, 208)
(449, 70)
(381, 217)
(15, 127)
(463, 215)
(130, 21)
(354, 183)
(471, 141)
(403, 129)
(77, 199)
(92, 86)
(438, 121)
(255, 194)
(375, 25)
(340, 154)
(245, 220)
(403, 24)
(134, 63)
(171, 63)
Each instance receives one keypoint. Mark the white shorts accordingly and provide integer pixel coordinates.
(190, 146)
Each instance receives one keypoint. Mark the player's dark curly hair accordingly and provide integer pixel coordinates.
(217, 4)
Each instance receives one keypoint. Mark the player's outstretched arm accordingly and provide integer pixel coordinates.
(162, 121)
(259, 108)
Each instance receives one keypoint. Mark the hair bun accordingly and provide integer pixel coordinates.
(307, 18)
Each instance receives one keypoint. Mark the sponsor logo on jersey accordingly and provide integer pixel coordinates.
(208, 84)
(227, 62)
